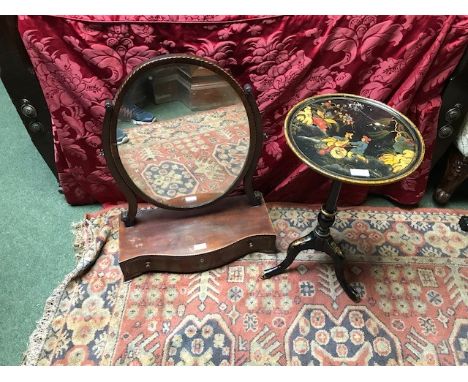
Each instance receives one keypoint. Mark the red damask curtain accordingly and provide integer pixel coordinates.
(400, 60)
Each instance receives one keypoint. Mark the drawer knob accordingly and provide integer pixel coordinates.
(28, 110)
(445, 131)
(35, 127)
(453, 114)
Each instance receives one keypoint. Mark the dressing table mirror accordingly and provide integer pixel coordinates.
(182, 135)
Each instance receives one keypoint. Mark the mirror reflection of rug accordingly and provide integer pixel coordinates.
(411, 268)
(200, 153)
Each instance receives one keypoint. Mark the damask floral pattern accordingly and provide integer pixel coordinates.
(404, 61)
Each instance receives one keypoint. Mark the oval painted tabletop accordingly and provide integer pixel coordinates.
(354, 139)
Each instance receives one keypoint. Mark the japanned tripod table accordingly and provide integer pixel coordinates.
(350, 139)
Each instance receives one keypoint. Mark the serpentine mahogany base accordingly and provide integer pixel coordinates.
(194, 240)
(321, 240)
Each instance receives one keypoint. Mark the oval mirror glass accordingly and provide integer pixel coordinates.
(182, 134)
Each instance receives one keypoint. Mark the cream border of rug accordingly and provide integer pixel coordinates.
(86, 253)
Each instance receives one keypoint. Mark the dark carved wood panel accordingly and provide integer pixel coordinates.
(453, 110)
(21, 83)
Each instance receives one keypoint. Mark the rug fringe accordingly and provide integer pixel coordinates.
(85, 253)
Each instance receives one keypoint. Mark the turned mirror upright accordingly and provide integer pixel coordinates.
(182, 135)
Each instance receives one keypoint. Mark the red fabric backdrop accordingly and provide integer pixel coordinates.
(401, 60)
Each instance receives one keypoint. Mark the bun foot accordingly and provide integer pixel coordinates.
(441, 196)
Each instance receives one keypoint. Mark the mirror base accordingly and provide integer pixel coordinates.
(196, 240)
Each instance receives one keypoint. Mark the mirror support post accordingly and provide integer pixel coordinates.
(109, 149)
(255, 197)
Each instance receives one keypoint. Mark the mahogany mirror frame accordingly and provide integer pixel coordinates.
(109, 139)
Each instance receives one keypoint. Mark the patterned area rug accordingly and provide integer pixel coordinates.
(199, 153)
(411, 268)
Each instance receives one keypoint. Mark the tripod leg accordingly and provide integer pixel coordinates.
(293, 250)
(338, 263)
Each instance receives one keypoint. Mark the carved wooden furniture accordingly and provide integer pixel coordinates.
(197, 87)
(21, 83)
(186, 161)
(455, 174)
(453, 110)
(453, 122)
(349, 139)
